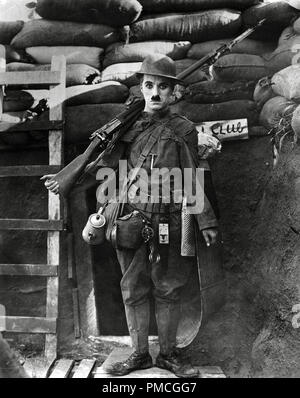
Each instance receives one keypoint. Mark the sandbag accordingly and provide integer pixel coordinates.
(197, 76)
(124, 73)
(73, 54)
(263, 91)
(83, 120)
(164, 6)
(295, 122)
(102, 93)
(75, 73)
(257, 131)
(274, 110)
(82, 74)
(117, 12)
(18, 140)
(296, 26)
(284, 56)
(16, 55)
(278, 16)
(135, 91)
(42, 32)
(9, 29)
(289, 39)
(194, 27)
(210, 92)
(38, 95)
(247, 46)
(136, 52)
(15, 101)
(237, 109)
(286, 35)
(233, 67)
(13, 138)
(286, 83)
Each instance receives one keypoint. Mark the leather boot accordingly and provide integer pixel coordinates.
(173, 362)
(138, 324)
(167, 318)
(136, 361)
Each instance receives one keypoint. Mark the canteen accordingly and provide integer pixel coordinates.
(94, 230)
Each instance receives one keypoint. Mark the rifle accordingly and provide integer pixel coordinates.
(103, 137)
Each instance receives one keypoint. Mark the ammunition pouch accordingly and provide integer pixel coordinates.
(127, 231)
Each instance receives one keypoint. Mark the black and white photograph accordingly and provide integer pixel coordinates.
(149, 191)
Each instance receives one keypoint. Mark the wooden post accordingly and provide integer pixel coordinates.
(57, 97)
(84, 266)
(2, 69)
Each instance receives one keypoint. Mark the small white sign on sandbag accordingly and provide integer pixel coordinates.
(225, 130)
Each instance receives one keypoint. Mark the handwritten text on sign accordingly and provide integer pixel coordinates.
(226, 129)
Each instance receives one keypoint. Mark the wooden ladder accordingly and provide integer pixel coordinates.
(55, 81)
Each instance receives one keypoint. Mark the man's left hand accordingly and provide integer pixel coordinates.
(210, 236)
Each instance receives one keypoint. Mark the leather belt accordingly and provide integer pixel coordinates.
(159, 208)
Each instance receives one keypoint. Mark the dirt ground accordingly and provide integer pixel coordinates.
(252, 336)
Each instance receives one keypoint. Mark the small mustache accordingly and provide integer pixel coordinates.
(155, 98)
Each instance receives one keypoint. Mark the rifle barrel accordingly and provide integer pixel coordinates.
(187, 72)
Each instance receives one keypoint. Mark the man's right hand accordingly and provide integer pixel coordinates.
(50, 183)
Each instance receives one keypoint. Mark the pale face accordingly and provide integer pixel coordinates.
(157, 92)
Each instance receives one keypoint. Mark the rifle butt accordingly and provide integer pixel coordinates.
(70, 174)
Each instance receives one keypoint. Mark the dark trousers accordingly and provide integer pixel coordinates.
(164, 280)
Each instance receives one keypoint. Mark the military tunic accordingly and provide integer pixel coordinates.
(175, 147)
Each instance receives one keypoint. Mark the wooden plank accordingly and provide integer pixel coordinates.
(121, 354)
(151, 373)
(122, 340)
(70, 256)
(77, 332)
(11, 148)
(84, 267)
(51, 311)
(32, 225)
(55, 205)
(38, 367)
(30, 78)
(50, 346)
(28, 269)
(211, 372)
(208, 372)
(2, 69)
(84, 369)
(32, 125)
(28, 171)
(62, 369)
(20, 324)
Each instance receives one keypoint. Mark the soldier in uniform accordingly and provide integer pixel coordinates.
(158, 268)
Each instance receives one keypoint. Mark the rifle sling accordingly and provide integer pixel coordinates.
(120, 205)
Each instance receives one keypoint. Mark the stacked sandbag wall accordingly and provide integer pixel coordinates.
(105, 42)
(278, 94)
(78, 30)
